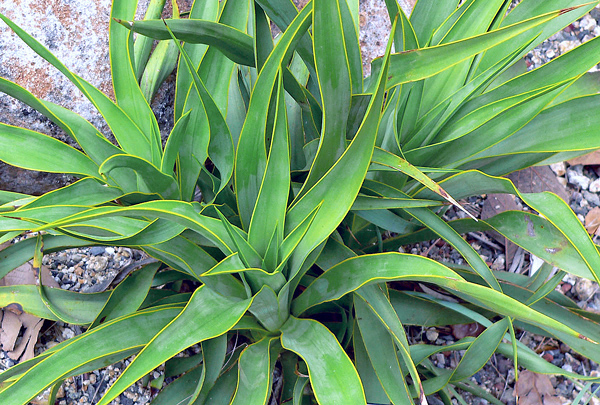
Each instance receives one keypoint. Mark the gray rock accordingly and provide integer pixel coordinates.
(98, 263)
(97, 250)
(591, 198)
(578, 179)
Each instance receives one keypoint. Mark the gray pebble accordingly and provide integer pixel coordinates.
(125, 400)
(61, 257)
(97, 263)
(578, 179)
(97, 250)
(592, 198)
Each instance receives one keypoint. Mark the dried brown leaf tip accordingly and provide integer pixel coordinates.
(566, 10)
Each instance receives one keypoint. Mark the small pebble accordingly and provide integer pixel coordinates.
(559, 168)
(98, 263)
(97, 250)
(68, 333)
(585, 288)
(432, 334)
(595, 186)
(591, 198)
(578, 179)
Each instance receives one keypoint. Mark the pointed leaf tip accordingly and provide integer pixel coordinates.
(566, 10)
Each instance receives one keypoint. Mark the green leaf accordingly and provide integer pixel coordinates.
(127, 133)
(235, 44)
(181, 212)
(364, 202)
(81, 308)
(251, 154)
(572, 10)
(48, 155)
(95, 145)
(207, 10)
(269, 213)
(127, 91)
(543, 134)
(220, 146)
(385, 158)
(75, 357)
(213, 351)
(363, 270)
(374, 392)
(337, 190)
(127, 297)
(181, 389)
(419, 64)
(86, 191)
(474, 18)
(150, 178)
(207, 315)
(143, 45)
(254, 374)
(382, 353)
(175, 142)
(160, 66)
(184, 255)
(335, 85)
(248, 254)
(333, 377)
(428, 15)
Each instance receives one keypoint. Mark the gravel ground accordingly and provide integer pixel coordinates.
(92, 269)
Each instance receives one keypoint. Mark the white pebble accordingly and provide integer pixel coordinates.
(578, 180)
(559, 168)
(587, 23)
(68, 333)
(595, 186)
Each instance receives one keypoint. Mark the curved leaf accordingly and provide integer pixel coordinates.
(126, 333)
(48, 155)
(235, 44)
(356, 272)
(150, 178)
(254, 374)
(206, 315)
(333, 377)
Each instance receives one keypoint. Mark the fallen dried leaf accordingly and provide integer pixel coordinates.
(537, 179)
(535, 389)
(589, 159)
(592, 221)
(11, 325)
(493, 205)
(14, 319)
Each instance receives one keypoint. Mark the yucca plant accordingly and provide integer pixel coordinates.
(285, 189)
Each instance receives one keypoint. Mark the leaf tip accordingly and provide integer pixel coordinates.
(566, 10)
(587, 339)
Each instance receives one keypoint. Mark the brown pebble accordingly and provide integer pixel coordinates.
(61, 392)
(548, 357)
(564, 348)
(565, 287)
(93, 378)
